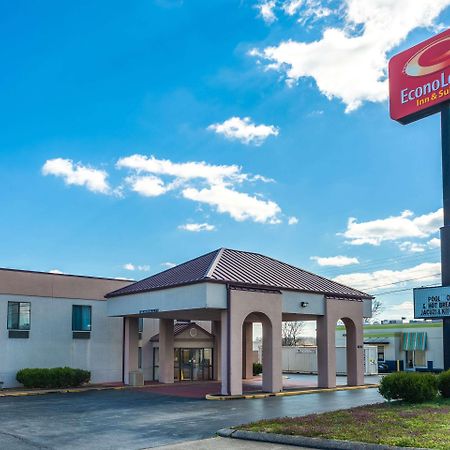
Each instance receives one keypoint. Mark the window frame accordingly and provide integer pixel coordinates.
(75, 330)
(20, 303)
(379, 352)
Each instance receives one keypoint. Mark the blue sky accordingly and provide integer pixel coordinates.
(136, 135)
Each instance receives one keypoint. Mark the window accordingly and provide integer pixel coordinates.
(380, 353)
(420, 359)
(139, 357)
(19, 315)
(81, 318)
(416, 358)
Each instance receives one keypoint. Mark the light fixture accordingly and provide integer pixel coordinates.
(304, 304)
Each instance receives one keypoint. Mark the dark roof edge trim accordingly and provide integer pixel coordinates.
(73, 275)
(245, 285)
(235, 287)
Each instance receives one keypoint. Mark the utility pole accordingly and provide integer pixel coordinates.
(445, 230)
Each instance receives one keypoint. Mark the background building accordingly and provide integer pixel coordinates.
(416, 345)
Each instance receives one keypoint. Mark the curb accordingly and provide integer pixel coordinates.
(288, 393)
(60, 391)
(303, 441)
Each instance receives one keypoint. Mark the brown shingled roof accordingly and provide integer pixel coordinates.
(241, 268)
(179, 327)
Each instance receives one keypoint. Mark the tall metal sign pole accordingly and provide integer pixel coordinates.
(419, 85)
(445, 230)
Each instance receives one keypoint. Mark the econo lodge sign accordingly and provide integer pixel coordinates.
(419, 79)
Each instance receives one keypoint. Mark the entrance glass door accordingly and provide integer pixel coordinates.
(185, 364)
(193, 364)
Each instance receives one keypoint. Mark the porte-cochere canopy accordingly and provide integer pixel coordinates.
(233, 289)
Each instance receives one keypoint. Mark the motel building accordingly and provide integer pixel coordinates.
(192, 322)
(413, 346)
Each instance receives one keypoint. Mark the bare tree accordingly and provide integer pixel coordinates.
(377, 308)
(291, 333)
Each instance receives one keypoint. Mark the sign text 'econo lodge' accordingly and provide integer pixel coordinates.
(419, 79)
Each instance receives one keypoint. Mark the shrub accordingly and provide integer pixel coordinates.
(444, 383)
(413, 387)
(257, 368)
(57, 377)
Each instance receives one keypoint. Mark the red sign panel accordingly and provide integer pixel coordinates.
(419, 79)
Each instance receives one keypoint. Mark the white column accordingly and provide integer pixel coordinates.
(217, 333)
(235, 352)
(355, 352)
(166, 351)
(130, 347)
(272, 365)
(224, 351)
(247, 350)
(326, 351)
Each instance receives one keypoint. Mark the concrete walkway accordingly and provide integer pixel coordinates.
(225, 444)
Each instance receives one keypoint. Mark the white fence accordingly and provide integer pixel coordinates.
(304, 360)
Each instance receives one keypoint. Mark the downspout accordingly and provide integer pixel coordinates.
(228, 339)
(123, 350)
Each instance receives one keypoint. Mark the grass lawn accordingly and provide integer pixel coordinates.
(425, 425)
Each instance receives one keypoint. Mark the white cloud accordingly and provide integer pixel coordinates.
(434, 243)
(349, 62)
(335, 261)
(56, 271)
(183, 171)
(383, 279)
(239, 205)
(133, 267)
(292, 220)
(197, 227)
(412, 247)
(77, 174)
(148, 186)
(393, 228)
(266, 10)
(215, 185)
(316, 113)
(168, 265)
(399, 310)
(290, 7)
(244, 130)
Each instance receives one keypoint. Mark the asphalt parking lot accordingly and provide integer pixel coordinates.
(132, 419)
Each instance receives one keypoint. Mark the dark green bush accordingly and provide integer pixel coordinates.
(57, 377)
(257, 368)
(412, 387)
(444, 383)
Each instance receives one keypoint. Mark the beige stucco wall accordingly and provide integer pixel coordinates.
(51, 344)
(42, 284)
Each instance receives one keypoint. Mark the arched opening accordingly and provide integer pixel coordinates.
(266, 350)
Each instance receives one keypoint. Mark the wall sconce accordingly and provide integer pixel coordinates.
(304, 304)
